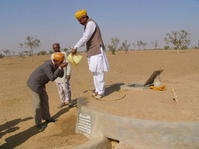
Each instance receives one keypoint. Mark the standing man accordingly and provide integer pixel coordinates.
(97, 60)
(63, 83)
(46, 72)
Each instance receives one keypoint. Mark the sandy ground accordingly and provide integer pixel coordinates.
(181, 72)
(16, 121)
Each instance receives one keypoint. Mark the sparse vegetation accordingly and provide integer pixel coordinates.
(1, 55)
(125, 46)
(166, 47)
(42, 53)
(21, 54)
(155, 44)
(66, 50)
(27, 53)
(178, 39)
(31, 43)
(197, 46)
(7, 52)
(174, 40)
(50, 52)
(140, 44)
(134, 45)
(114, 44)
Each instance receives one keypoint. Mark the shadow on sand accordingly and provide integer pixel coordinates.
(17, 139)
(112, 88)
(10, 126)
(109, 89)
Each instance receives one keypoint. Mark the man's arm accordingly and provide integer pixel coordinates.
(53, 75)
(90, 29)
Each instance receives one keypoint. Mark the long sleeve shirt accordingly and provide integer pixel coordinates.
(42, 75)
(88, 32)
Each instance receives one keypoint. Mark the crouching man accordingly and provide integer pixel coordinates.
(46, 72)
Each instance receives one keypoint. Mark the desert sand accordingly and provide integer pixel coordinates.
(181, 72)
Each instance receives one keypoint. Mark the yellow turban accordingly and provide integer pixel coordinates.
(81, 13)
(58, 56)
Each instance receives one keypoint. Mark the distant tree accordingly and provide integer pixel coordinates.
(21, 46)
(1, 55)
(32, 43)
(178, 39)
(144, 44)
(134, 45)
(65, 50)
(197, 46)
(50, 52)
(7, 52)
(125, 46)
(166, 47)
(21, 54)
(155, 44)
(27, 53)
(140, 44)
(13, 53)
(113, 45)
(42, 53)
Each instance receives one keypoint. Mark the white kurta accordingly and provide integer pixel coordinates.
(97, 63)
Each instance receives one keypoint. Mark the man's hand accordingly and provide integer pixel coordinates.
(61, 66)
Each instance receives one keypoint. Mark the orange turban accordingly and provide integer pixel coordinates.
(58, 56)
(81, 13)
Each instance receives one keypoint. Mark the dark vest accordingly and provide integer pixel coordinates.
(95, 42)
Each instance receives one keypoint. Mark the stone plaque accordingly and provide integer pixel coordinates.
(84, 123)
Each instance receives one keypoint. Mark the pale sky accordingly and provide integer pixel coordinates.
(53, 21)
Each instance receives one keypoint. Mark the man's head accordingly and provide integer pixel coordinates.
(81, 16)
(56, 47)
(58, 58)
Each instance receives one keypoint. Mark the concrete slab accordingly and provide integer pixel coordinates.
(95, 143)
(139, 133)
(124, 146)
(134, 86)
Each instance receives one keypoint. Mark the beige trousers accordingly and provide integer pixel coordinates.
(64, 92)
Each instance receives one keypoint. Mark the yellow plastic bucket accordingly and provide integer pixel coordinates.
(74, 59)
